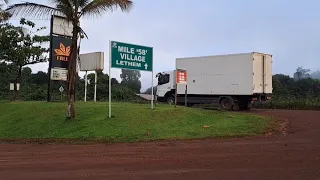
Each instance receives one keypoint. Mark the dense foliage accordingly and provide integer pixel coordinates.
(130, 79)
(20, 46)
(290, 93)
(34, 86)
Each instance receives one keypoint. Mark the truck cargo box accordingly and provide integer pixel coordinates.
(232, 74)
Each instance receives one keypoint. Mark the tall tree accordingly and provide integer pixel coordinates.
(73, 10)
(130, 78)
(315, 75)
(5, 76)
(301, 73)
(21, 47)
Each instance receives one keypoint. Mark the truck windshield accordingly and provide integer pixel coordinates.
(163, 79)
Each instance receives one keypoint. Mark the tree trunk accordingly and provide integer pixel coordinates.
(72, 73)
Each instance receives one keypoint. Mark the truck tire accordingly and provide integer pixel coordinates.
(170, 100)
(226, 104)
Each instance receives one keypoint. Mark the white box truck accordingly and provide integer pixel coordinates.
(232, 81)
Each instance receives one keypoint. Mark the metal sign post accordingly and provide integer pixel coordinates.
(130, 56)
(175, 96)
(85, 86)
(95, 86)
(91, 62)
(110, 64)
(152, 95)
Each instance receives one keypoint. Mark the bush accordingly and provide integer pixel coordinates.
(122, 93)
(294, 104)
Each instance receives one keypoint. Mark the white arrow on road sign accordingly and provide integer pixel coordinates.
(146, 66)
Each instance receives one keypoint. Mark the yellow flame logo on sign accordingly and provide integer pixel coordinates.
(63, 52)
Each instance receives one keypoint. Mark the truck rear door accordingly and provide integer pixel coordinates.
(262, 73)
(267, 69)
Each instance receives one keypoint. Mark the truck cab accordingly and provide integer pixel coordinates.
(166, 85)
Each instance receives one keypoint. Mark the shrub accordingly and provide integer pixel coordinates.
(290, 103)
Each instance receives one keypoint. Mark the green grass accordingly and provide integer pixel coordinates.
(131, 122)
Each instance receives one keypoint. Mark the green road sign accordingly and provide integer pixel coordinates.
(130, 56)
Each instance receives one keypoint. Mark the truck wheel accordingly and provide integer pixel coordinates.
(226, 104)
(170, 100)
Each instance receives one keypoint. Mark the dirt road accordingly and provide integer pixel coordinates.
(289, 157)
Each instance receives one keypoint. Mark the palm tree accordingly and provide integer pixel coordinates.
(73, 10)
(3, 15)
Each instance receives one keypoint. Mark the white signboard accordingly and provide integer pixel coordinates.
(61, 26)
(12, 86)
(92, 61)
(59, 74)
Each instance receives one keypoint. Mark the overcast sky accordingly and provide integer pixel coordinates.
(288, 29)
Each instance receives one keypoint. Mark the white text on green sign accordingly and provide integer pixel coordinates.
(129, 56)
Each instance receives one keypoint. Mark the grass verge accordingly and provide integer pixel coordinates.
(46, 122)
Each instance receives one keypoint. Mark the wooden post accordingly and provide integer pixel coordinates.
(185, 97)
(175, 96)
